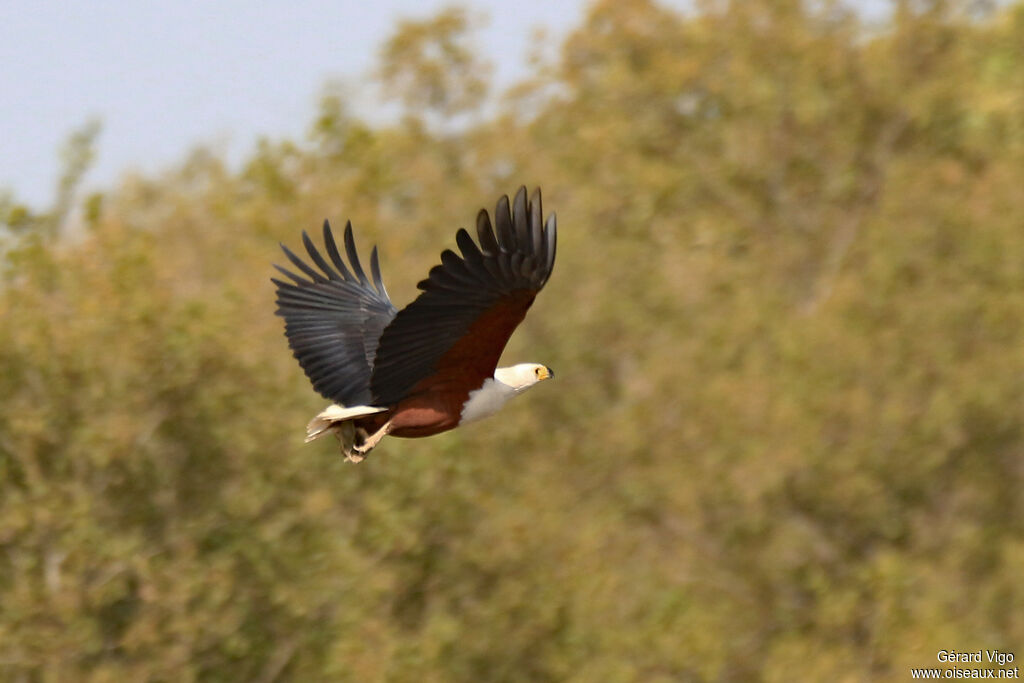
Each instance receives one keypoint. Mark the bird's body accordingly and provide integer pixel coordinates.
(431, 366)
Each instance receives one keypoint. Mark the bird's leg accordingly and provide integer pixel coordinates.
(359, 450)
(346, 434)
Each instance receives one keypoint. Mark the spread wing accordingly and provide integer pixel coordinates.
(454, 332)
(334, 318)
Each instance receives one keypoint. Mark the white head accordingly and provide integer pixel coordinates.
(523, 376)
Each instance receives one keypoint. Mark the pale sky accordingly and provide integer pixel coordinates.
(163, 77)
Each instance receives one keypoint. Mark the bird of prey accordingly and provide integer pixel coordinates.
(433, 365)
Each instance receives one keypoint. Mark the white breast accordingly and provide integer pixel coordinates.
(486, 401)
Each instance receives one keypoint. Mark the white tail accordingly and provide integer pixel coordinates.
(332, 416)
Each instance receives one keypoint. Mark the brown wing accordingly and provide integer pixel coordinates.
(455, 330)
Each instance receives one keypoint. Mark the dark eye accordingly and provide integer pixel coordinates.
(536, 371)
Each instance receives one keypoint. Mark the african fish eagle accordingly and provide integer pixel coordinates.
(433, 365)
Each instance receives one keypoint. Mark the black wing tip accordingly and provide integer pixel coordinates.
(351, 272)
(536, 235)
(516, 250)
(520, 196)
(378, 280)
(328, 236)
(353, 255)
(296, 279)
(526, 219)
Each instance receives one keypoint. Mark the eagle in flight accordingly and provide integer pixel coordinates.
(433, 365)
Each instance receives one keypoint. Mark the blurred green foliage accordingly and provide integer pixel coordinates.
(785, 440)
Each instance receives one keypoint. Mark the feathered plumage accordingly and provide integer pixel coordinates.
(421, 364)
